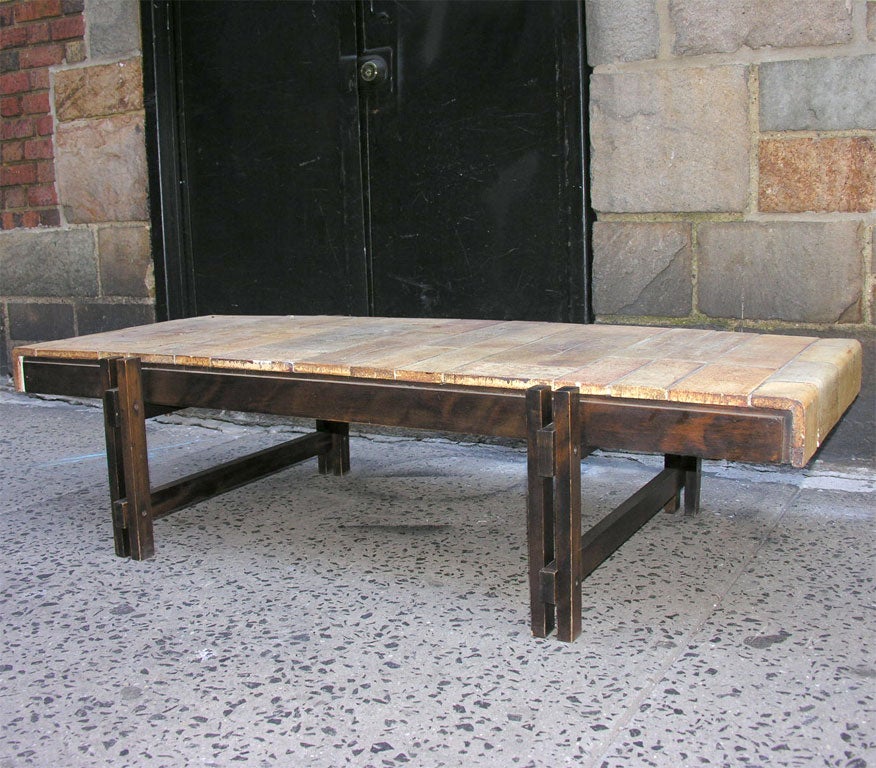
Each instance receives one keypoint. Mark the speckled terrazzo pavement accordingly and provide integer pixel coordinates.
(380, 619)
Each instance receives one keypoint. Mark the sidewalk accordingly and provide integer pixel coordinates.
(381, 619)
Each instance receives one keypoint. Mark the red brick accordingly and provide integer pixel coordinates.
(37, 33)
(30, 219)
(14, 82)
(15, 197)
(50, 218)
(41, 196)
(38, 149)
(41, 56)
(10, 106)
(10, 175)
(11, 151)
(69, 7)
(16, 129)
(39, 79)
(6, 16)
(8, 221)
(68, 27)
(12, 37)
(37, 9)
(36, 103)
(45, 126)
(45, 172)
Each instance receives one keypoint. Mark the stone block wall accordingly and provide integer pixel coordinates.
(734, 162)
(733, 165)
(74, 244)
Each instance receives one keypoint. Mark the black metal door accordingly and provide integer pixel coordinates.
(385, 158)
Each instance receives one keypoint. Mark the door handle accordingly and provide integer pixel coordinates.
(373, 70)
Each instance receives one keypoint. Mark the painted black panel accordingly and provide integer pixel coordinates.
(474, 160)
(289, 184)
(268, 118)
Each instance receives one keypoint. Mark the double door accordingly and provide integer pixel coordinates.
(369, 158)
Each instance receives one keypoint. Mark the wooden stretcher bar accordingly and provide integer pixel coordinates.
(343, 377)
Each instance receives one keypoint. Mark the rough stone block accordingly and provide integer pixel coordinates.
(106, 89)
(101, 169)
(40, 322)
(621, 30)
(58, 262)
(642, 269)
(125, 262)
(871, 20)
(818, 94)
(795, 271)
(817, 175)
(97, 318)
(674, 140)
(702, 27)
(113, 27)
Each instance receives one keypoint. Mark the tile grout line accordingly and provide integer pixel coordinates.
(601, 751)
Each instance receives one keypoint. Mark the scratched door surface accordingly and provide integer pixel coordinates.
(269, 146)
(474, 160)
(450, 184)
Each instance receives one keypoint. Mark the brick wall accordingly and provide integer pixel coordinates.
(734, 162)
(35, 36)
(74, 243)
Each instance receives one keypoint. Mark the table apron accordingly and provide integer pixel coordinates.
(716, 432)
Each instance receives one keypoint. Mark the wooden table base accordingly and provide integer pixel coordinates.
(560, 557)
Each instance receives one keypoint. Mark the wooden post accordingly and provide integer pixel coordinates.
(692, 467)
(337, 460)
(540, 507)
(132, 436)
(115, 463)
(567, 512)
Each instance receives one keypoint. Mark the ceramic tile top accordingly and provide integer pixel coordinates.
(813, 379)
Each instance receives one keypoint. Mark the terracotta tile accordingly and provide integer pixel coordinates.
(677, 343)
(767, 350)
(652, 381)
(502, 376)
(826, 378)
(250, 364)
(801, 400)
(844, 354)
(595, 378)
(719, 384)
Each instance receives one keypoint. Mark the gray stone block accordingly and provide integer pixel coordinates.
(674, 140)
(125, 262)
(796, 271)
(621, 30)
(642, 269)
(55, 262)
(98, 317)
(726, 26)
(818, 94)
(40, 322)
(871, 20)
(113, 27)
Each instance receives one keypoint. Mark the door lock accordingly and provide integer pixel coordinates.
(373, 70)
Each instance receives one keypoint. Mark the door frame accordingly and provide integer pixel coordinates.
(165, 152)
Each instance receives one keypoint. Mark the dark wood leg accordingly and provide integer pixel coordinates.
(567, 512)
(540, 506)
(691, 466)
(115, 463)
(137, 507)
(336, 461)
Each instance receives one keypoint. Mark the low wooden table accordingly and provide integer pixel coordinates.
(567, 389)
